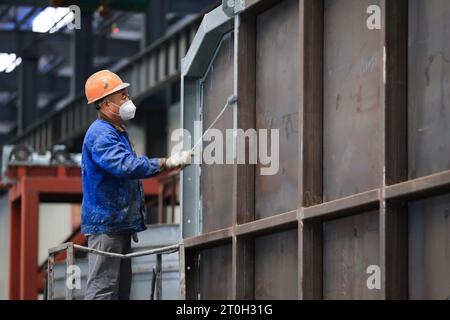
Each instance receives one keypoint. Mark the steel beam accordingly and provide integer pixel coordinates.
(29, 245)
(81, 54)
(14, 249)
(27, 111)
(155, 23)
(176, 6)
(47, 82)
(57, 44)
(143, 72)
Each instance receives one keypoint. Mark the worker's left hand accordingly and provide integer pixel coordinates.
(178, 160)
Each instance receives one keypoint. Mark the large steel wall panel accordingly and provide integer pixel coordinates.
(277, 103)
(429, 80)
(215, 273)
(276, 266)
(353, 79)
(350, 246)
(216, 184)
(429, 248)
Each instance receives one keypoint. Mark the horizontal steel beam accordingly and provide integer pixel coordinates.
(420, 187)
(277, 222)
(209, 239)
(344, 206)
(46, 82)
(157, 66)
(176, 6)
(57, 44)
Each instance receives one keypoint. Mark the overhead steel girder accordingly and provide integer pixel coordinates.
(58, 44)
(149, 71)
(47, 82)
(176, 6)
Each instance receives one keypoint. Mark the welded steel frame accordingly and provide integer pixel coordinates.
(390, 198)
(35, 184)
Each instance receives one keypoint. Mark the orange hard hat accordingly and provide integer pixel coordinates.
(101, 84)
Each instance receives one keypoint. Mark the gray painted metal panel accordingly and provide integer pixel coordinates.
(277, 104)
(353, 79)
(193, 67)
(276, 268)
(190, 184)
(350, 245)
(216, 181)
(205, 42)
(428, 94)
(429, 248)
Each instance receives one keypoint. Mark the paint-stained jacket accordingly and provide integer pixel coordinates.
(113, 199)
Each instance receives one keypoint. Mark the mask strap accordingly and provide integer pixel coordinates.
(116, 113)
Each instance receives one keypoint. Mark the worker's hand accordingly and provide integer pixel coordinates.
(178, 160)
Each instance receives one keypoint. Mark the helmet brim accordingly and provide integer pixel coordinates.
(117, 88)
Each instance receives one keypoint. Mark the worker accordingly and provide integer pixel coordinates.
(113, 207)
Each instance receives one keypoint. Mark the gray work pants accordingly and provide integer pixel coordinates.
(109, 278)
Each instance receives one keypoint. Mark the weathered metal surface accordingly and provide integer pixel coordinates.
(429, 77)
(158, 276)
(215, 273)
(69, 264)
(353, 77)
(216, 184)
(277, 103)
(350, 245)
(50, 276)
(276, 266)
(429, 248)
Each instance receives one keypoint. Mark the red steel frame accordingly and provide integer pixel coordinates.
(34, 184)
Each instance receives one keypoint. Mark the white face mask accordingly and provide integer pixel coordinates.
(127, 110)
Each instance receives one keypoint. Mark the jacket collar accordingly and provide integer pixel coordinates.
(120, 128)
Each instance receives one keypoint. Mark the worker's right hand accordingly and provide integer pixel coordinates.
(178, 160)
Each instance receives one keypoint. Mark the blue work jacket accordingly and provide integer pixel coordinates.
(113, 198)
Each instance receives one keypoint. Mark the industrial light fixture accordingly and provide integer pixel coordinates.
(60, 155)
(21, 153)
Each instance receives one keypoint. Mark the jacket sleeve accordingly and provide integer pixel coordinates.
(112, 155)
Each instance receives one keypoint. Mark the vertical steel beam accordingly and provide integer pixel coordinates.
(159, 276)
(154, 22)
(27, 88)
(69, 263)
(394, 216)
(311, 26)
(81, 54)
(14, 249)
(50, 276)
(182, 272)
(161, 203)
(29, 243)
(244, 174)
